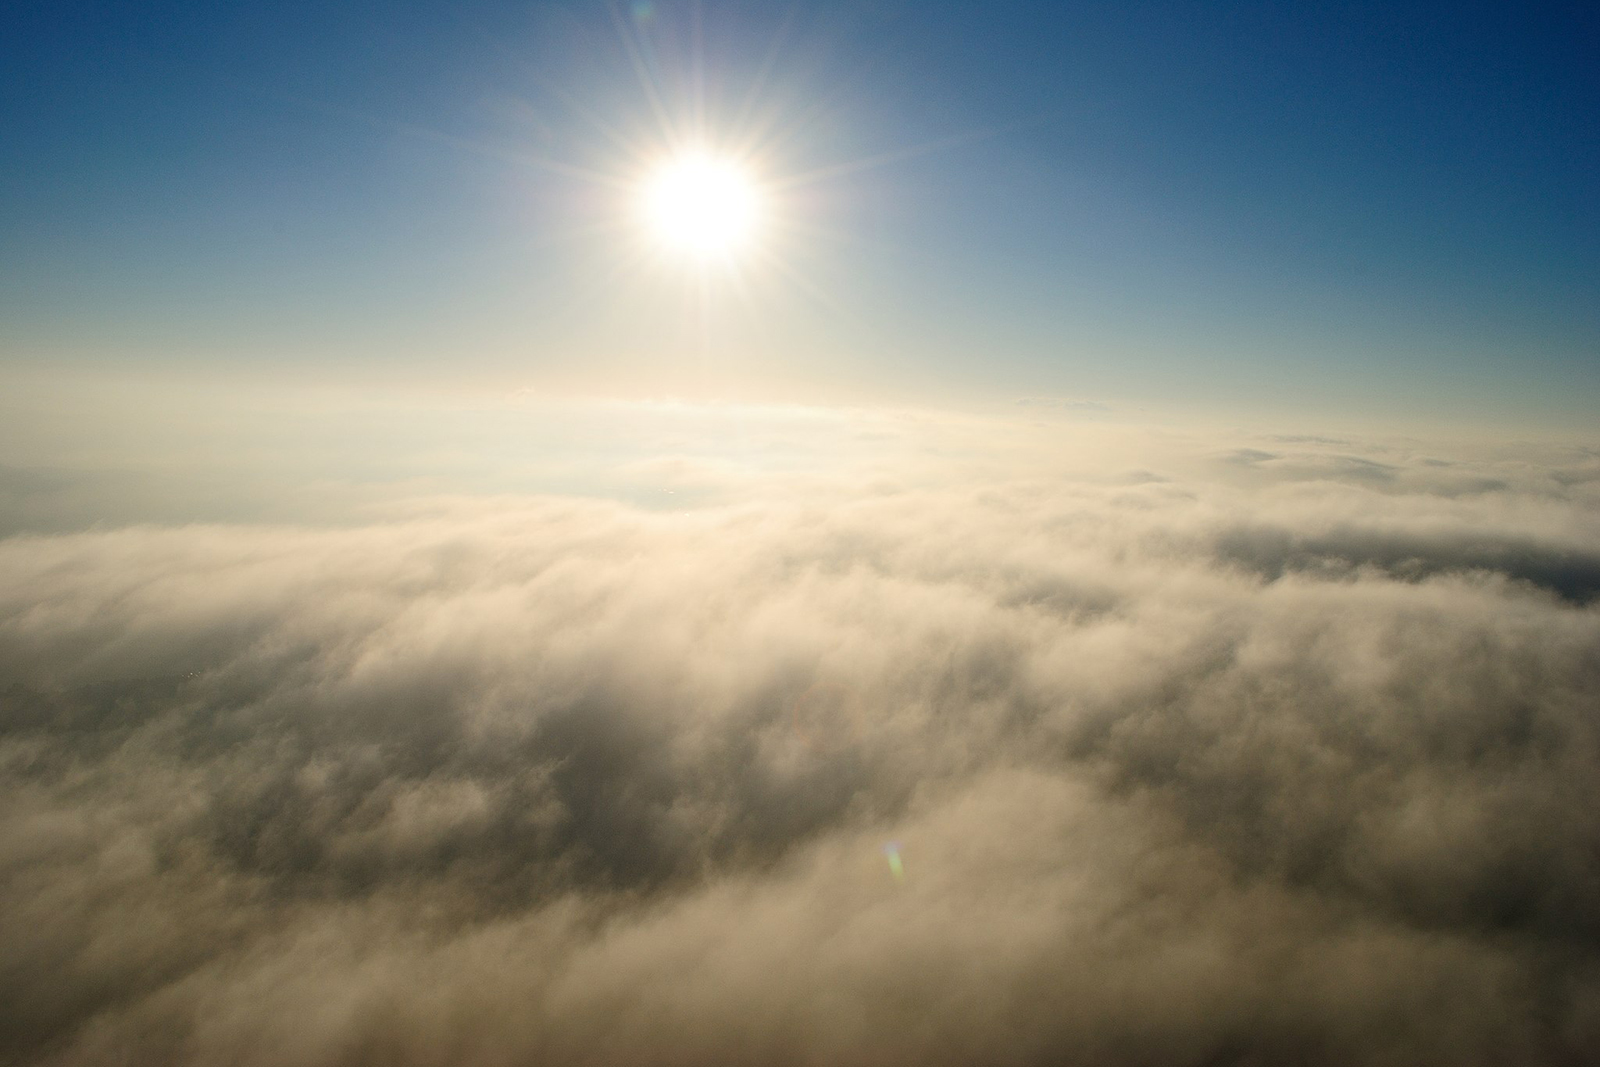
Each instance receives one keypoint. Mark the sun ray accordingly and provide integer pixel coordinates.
(641, 71)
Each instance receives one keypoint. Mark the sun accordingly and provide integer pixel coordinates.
(702, 206)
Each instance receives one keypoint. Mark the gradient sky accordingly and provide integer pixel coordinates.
(1356, 208)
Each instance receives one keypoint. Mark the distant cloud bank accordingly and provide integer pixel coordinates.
(1270, 752)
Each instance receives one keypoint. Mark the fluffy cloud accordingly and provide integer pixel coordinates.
(1271, 751)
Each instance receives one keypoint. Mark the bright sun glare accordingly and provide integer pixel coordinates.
(702, 206)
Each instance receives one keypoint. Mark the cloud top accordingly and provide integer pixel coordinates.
(1284, 754)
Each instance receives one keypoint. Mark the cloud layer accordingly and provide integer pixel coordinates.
(1276, 752)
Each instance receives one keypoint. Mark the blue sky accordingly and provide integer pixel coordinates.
(1349, 208)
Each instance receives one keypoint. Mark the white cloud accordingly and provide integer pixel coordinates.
(1254, 761)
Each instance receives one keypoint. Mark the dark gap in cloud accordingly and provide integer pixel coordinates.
(1299, 779)
(1576, 476)
(1569, 573)
(1247, 457)
(588, 799)
(1306, 466)
(1068, 600)
(88, 722)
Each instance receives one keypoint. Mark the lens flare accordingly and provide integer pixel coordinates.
(896, 867)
